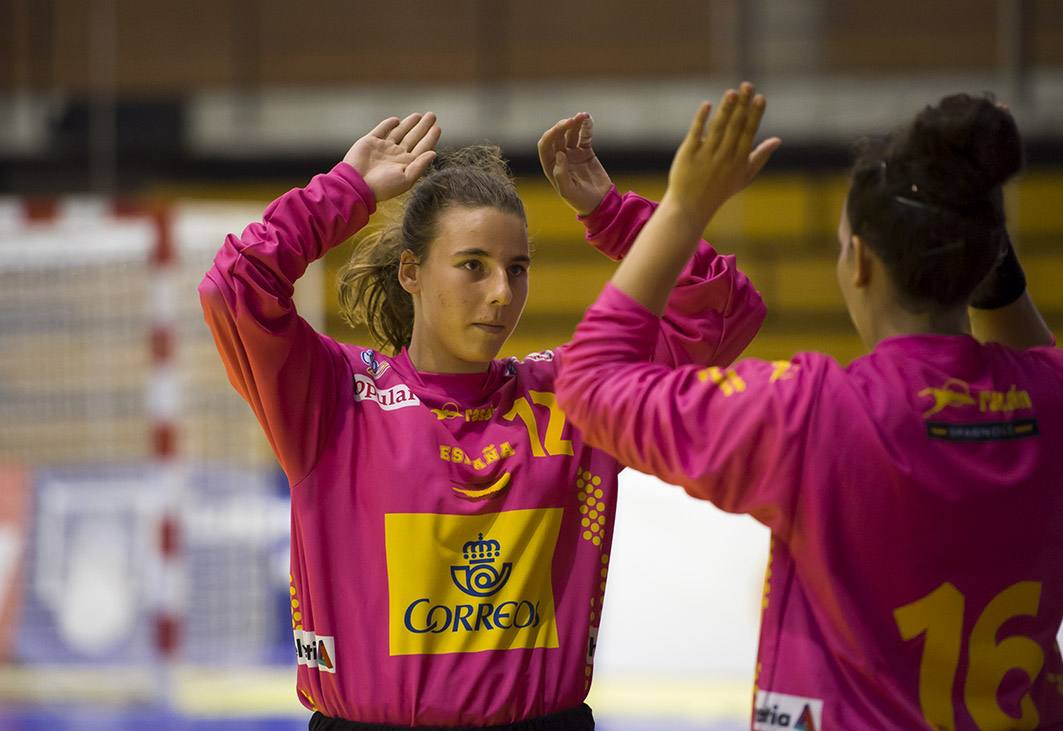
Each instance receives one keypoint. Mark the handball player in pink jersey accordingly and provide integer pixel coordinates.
(450, 529)
(915, 496)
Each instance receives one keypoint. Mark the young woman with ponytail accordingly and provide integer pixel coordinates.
(916, 570)
(450, 529)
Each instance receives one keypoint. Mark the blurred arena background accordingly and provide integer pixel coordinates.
(143, 521)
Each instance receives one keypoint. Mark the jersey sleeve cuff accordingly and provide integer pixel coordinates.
(599, 219)
(352, 177)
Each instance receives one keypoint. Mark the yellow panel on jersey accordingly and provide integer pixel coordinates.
(466, 583)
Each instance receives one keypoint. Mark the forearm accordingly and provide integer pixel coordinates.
(299, 228)
(726, 435)
(660, 252)
(1017, 325)
(712, 312)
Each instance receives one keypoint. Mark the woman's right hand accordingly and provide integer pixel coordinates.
(711, 166)
(395, 154)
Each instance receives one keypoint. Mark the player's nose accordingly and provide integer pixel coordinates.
(501, 291)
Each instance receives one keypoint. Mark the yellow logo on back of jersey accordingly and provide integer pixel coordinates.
(467, 583)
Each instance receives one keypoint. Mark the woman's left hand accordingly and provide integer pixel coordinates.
(567, 155)
(712, 165)
(709, 167)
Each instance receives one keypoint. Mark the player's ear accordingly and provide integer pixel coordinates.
(861, 262)
(409, 272)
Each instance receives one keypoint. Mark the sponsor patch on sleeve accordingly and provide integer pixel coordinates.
(775, 711)
(317, 652)
(397, 397)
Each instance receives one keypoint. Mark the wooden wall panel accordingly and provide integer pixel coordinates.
(1047, 33)
(173, 46)
(169, 46)
(71, 69)
(343, 42)
(910, 35)
(26, 44)
(160, 47)
(608, 38)
(8, 52)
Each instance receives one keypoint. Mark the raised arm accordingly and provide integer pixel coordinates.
(729, 435)
(713, 312)
(709, 167)
(288, 374)
(733, 436)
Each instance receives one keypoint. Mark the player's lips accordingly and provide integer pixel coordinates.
(492, 327)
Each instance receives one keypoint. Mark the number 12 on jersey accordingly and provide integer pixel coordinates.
(553, 444)
(939, 618)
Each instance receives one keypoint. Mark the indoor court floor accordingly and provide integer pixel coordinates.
(148, 718)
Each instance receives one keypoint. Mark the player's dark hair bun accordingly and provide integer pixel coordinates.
(928, 198)
(969, 144)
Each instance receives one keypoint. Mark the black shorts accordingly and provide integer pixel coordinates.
(576, 719)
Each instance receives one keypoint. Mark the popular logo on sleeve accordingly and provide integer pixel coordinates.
(466, 583)
(397, 397)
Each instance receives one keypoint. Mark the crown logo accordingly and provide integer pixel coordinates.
(481, 551)
(479, 577)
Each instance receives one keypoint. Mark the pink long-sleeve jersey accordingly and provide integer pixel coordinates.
(915, 501)
(450, 533)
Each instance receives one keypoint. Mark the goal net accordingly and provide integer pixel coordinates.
(142, 515)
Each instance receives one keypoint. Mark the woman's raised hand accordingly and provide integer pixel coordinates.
(713, 164)
(569, 162)
(395, 154)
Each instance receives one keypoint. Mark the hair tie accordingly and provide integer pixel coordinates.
(916, 204)
(943, 249)
(904, 200)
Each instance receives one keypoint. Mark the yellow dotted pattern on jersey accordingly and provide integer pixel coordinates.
(764, 607)
(595, 618)
(592, 508)
(297, 615)
(767, 578)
